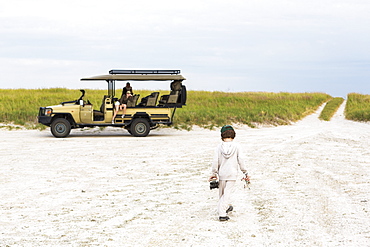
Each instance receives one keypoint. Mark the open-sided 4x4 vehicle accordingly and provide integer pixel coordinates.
(139, 119)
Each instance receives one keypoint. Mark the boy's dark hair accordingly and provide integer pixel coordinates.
(228, 134)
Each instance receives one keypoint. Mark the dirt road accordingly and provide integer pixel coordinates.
(310, 187)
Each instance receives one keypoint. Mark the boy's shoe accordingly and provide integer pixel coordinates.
(225, 218)
(112, 121)
(123, 115)
(229, 209)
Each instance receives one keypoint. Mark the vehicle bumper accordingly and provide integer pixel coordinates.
(46, 120)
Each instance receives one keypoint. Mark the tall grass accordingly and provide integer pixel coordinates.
(358, 107)
(21, 106)
(331, 108)
(205, 109)
(211, 109)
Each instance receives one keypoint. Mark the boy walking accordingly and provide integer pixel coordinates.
(226, 164)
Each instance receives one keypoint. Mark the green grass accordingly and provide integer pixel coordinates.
(358, 107)
(331, 108)
(214, 109)
(205, 109)
(21, 106)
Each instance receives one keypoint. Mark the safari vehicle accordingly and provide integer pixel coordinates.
(141, 116)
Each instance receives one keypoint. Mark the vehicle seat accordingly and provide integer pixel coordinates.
(102, 107)
(133, 103)
(163, 100)
(99, 115)
(152, 100)
(149, 100)
(173, 97)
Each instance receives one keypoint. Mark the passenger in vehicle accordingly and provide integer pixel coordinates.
(121, 104)
(127, 88)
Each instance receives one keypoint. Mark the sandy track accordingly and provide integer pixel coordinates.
(310, 187)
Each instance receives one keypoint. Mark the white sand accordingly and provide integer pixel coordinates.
(310, 187)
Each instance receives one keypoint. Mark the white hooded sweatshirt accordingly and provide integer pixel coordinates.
(227, 161)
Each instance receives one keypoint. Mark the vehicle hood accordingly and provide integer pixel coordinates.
(63, 106)
(54, 106)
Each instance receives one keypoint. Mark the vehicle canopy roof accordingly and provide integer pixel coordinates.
(138, 75)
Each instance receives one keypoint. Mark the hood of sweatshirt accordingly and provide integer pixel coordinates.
(228, 149)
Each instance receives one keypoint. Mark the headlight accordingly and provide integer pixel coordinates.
(48, 111)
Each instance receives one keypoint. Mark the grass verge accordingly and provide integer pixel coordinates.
(214, 109)
(204, 109)
(331, 108)
(358, 107)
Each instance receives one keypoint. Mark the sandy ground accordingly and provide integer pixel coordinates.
(310, 187)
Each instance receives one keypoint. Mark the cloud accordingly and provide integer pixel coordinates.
(264, 45)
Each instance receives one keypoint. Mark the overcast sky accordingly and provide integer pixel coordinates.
(234, 45)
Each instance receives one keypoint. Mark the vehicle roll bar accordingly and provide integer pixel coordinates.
(143, 72)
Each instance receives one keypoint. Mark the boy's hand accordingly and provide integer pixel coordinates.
(247, 179)
(212, 178)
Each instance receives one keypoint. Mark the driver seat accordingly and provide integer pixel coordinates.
(102, 107)
(99, 115)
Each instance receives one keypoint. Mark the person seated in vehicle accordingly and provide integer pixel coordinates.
(127, 88)
(121, 104)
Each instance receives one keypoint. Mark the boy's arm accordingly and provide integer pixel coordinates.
(215, 164)
(241, 162)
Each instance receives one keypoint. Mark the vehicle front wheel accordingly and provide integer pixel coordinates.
(139, 127)
(60, 127)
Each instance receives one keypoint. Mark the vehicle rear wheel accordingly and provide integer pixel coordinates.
(60, 127)
(139, 127)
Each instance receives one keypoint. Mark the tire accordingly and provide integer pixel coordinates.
(139, 127)
(60, 127)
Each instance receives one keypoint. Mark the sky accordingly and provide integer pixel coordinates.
(231, 46)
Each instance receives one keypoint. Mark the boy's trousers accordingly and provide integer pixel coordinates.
(226, 190)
